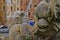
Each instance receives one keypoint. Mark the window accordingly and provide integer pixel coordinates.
(11, 8)
(3, 7)
(11, 1)
(30, 5)
(3, 1)
(17, 8)
(35, 5)
(29, 14)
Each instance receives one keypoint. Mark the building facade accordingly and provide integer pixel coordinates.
(18, 5)
(11, 7)
(24, 4)
(2, 11)
(8, 7)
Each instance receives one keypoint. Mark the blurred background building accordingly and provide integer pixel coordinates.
(2, 11)
(24, 4)
(19, 5)
(8, 7)
(11, 7)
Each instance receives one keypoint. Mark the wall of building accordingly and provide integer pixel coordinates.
(11, 7)
(2, 12)
(24, 4)
(8, 7)
(21, 5)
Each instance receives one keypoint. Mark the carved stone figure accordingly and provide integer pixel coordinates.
(45, 26)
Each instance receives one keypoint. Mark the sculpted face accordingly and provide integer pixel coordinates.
(43, 14)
